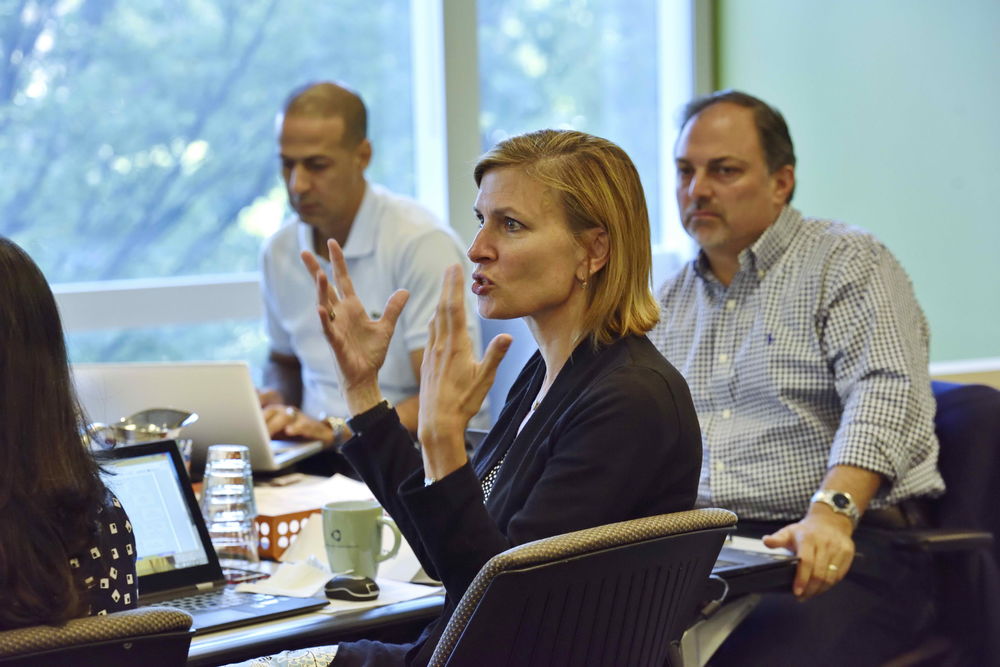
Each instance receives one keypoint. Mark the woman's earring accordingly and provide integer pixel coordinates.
(583, 284)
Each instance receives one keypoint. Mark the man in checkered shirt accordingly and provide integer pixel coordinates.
(806, 354)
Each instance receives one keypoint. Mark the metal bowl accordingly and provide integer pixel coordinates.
(144, 426)
(153, 424)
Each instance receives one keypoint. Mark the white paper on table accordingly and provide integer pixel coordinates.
(304, 579)
(405, 567)
(308, 542)
(310, 492)
(753, 544)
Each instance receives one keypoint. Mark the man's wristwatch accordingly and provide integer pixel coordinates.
(840, 502)
(339, 427)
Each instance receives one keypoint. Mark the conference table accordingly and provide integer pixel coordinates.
(398, 622)
(403, 621)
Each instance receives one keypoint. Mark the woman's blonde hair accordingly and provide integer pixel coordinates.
(599, 187)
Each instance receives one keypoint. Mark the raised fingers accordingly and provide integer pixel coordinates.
(443, 321)
(394, 306)
(326, 296)
(453, 315)
(454, 283)
(340, 275)
(494, 354)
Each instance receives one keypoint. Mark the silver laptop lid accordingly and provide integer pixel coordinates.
(222, 393)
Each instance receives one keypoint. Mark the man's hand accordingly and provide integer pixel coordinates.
(822, 541)
(288, 422)
(270, 397)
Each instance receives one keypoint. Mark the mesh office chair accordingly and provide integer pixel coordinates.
(619, 594)
(149, 636)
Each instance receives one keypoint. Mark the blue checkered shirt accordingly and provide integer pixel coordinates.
(815, 355)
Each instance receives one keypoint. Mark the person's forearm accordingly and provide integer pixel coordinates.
(284, 374)
(861, 484)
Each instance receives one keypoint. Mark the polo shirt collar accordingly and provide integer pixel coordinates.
(361, 238)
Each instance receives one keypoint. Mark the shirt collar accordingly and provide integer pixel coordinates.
(772, 244)
(764, 252)
(361, 238)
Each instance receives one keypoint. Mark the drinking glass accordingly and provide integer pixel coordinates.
(227, 503)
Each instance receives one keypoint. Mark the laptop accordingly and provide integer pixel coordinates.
(222, 393)
(175, 561)
(748, 567)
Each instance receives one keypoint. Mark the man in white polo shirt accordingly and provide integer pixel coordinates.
(390, 242)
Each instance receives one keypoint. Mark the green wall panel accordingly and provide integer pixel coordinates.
(894, 107)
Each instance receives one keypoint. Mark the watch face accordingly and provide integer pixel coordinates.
(841, 501)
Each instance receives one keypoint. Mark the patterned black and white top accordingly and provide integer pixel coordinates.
(107, 567)
(815, 355)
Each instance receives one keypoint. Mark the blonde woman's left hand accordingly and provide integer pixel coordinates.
(453, 385)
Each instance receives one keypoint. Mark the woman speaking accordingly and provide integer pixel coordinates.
(597, 428)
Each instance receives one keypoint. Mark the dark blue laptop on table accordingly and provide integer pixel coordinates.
(176, 563)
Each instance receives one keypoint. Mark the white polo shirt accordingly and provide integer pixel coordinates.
(394, 243)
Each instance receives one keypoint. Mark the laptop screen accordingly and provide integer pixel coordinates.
(172, 545)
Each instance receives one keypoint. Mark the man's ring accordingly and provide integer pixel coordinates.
(832, 567)
(330, 314)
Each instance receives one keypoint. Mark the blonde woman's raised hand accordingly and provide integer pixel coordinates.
(358, 342)
(453, 384)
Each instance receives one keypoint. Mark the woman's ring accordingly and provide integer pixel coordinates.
(832, 567)
(291, 411)
(330, 314)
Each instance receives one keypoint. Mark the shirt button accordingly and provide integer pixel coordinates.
(723, 358)
(760, 274)
(730, 304)
(718, 466)
(727, 413)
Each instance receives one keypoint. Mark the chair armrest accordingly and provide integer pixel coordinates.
(942, 540)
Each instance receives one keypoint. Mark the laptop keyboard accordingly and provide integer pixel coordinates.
(215, 600)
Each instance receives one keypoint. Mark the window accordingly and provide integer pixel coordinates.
(586, 65)
(139, 137)
(619, 69)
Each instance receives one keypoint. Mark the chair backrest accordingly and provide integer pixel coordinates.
(617, 594)
(967, 423)
(149, 636)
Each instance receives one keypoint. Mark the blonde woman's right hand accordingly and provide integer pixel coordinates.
(359, 343)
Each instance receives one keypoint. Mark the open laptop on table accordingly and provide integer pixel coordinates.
(176, 563)
(222, 393)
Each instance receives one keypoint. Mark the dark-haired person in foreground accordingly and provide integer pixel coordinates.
(66, 545)
(597, 428)
(806, 353)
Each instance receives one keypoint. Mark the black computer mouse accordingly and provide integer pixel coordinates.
(351, 587)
